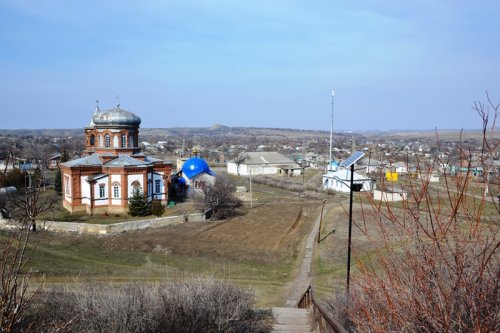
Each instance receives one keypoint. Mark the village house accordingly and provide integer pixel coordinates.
(340, 181)
(263, 163)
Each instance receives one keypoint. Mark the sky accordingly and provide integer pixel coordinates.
(394, 64)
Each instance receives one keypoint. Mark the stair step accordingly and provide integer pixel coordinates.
(291, 320)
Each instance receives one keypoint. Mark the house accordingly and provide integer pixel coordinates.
(9, 162)
(113, 166)
(263, 163)
(340, 181)
(390, 196)
(372, 165)
(53, 162)
(400, 167)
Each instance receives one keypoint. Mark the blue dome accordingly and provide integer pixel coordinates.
(194, 166)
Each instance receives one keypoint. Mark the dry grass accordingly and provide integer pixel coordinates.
(257, 249)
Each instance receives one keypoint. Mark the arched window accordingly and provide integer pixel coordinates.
(107, 141)
(92, 140)
(124, 141)
(116, 190)
(136, 184)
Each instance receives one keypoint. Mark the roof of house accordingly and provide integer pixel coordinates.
(345, 175)
(55, 157)
(264, 157)
(120, 161)
(91, 160)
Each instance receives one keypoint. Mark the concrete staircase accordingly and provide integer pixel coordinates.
(291, 320)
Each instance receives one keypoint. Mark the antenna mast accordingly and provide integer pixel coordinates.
(331, 128)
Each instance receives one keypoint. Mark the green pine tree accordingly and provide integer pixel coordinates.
(58, 181)
(37, 177)
(64, 156)
(138, 204)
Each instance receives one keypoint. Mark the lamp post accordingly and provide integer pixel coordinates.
(350, 230)
(349, 163)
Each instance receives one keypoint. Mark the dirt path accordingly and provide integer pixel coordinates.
(299, 285)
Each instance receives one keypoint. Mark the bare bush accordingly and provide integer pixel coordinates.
(187, 306)
(434, 264)
(15, 278)
(219, 198)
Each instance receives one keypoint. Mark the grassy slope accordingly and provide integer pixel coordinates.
(258, 249)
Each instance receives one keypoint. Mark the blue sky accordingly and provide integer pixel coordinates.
(393, 64)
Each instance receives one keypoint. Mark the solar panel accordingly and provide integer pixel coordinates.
(352, 159)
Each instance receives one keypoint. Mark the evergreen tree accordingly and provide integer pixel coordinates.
(58, 182)
(16, 178)
(64, 156)
(138, 204)
(37, 177)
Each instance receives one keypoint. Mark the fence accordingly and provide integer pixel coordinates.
(321, 320)
(102, 229)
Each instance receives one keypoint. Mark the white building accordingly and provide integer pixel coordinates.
(263, 163)
(340, 181)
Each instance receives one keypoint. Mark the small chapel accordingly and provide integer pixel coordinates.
(111, 166)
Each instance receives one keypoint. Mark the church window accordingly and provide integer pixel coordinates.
(102, 191)
(124, 141)
(116, 190)
(157, 186)
(136, 184)
(107, 140)
(92, 139)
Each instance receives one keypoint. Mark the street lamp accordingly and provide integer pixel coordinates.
(349, 162)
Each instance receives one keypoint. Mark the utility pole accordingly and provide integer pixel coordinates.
(331, 129)
(251, 195)
(321, 221)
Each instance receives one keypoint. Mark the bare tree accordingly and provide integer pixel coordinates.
(434, 266)
(219, 198)
(31, 203)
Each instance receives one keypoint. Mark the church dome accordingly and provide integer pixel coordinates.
(194, 166)
(116, 116)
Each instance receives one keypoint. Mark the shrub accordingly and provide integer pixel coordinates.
(157, 209)
(189, 306)
(434, 263)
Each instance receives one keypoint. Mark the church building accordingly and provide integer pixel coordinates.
(102, 181)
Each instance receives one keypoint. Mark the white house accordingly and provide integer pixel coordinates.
(400, 167)
(371, 165)
(339, 181)
(393, 196)
(263, 163)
